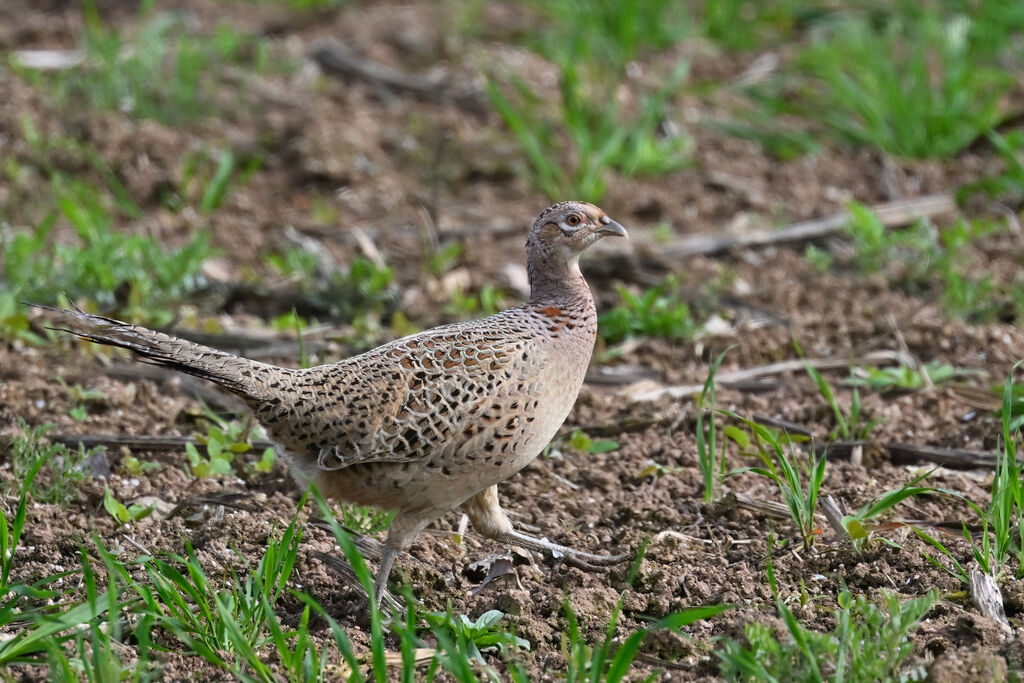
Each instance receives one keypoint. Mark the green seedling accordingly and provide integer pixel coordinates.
(858, 525)
(133, 467)
(610, 659)
(65, 467)
(955, 569)
(14, 324)
(1005, 513)
(217, 188)
(267, 461)
(474, 637)
(440, 260)
(711, 460)
(1008, 186)
(609, 34)
(80, 396)
(740, 25)
(467, 305)
(906, 378)
(1002, 520)
(924, 260)
(33, 629)
(1012, 407)
(849, 426)
(161, 72)
(134, 275)
(579, 441)
(600, 137)
(914, 86)
(799, 483)
(869, 642)
(224, 439)
(658, 312)
(122, 513)
(216, 462)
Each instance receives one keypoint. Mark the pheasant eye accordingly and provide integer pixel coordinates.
(573, 220)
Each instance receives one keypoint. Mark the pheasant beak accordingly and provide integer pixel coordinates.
(610, 227)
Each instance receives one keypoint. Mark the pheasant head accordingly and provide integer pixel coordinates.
(558, 237)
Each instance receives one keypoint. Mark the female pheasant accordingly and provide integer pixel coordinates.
(433, 421)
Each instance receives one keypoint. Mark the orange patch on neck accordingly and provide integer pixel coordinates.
(551, 311)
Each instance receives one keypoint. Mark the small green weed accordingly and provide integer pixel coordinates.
(19, 601)
(821, 259)
(913, 82)
(450, 655)
(289, 322)
(93, 658)
(658, 312)
(301, 264)
(133, 467)
(798, 482)
(875, 246)
(904, 377)
(304, 5)
(65, 467)
(216, 462)
(610, 660)
(1013, 406)
(1008, 186)
(80, 396)
(471, 637)
(225, 626)
(1005, 513)
(955, 568)
(925, 260)
(858, 525)
(741, 25)
(440, 260)
(579, 441)
(712, 461)
(224, 439)
(205, 180)
(14, 324)
(609, 34)
(164, 72)
(121, 512)
(571, 151)
(10, 537)
(869, 643)
(760, 123)
(49, 157)
(465, 305)
(849, 426)
(1002, 520)
(362, 289)
(134, 274)
(364, 519)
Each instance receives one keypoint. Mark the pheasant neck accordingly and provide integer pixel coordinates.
(559, 283)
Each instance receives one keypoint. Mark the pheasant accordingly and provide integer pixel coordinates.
(431, 422)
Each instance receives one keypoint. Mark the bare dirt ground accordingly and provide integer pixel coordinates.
(397, 166)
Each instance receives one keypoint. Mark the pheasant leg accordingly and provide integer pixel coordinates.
(403, 531)
(380, 581)
(491, 521)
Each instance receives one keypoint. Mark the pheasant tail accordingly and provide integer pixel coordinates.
(247, 378)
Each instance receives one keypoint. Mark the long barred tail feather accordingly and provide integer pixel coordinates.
(247, 378)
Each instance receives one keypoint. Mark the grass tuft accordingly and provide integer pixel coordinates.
(658, 312)
(869, 643)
